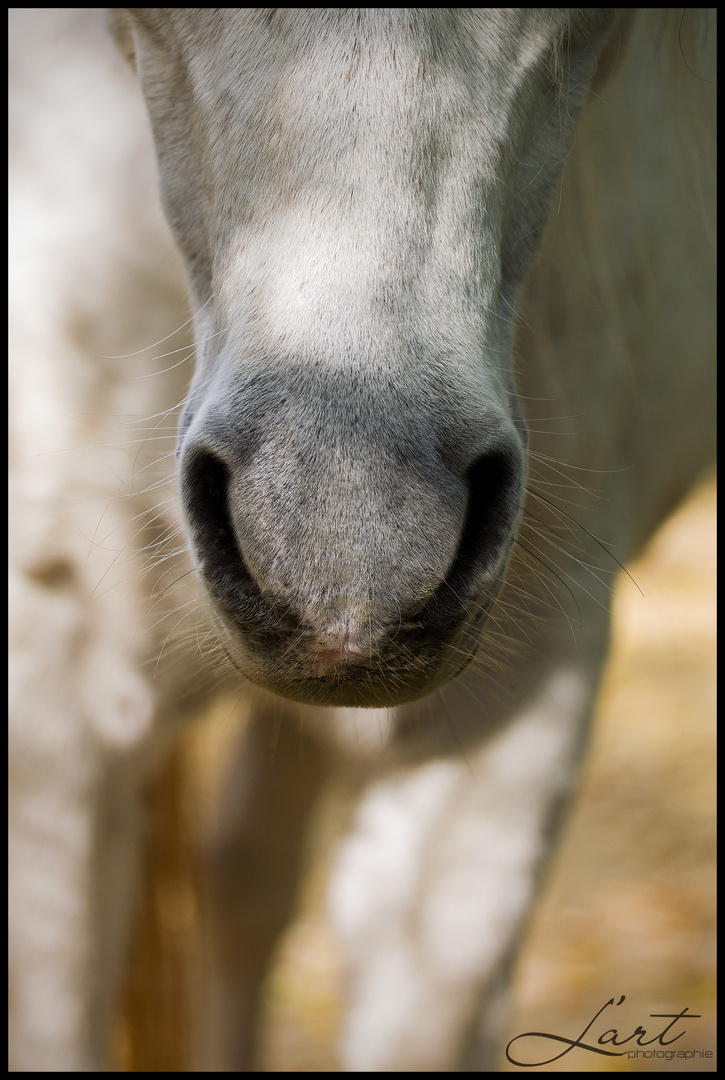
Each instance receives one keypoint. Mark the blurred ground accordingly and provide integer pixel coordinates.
(629, 906)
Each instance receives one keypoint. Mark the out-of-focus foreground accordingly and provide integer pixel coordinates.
(628, 907)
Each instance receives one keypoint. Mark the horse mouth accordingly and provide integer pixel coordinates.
(393, 665)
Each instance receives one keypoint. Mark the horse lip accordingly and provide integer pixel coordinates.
(331, 654)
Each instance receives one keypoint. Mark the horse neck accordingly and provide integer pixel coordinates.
(618, 332)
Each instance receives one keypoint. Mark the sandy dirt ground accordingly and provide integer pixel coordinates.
(628, 908)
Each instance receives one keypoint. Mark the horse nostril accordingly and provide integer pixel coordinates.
(495, 483)
(204, 485)
(205, 481)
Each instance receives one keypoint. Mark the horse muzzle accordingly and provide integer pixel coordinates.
(349, 562)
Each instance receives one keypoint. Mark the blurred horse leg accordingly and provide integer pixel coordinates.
(252, 863)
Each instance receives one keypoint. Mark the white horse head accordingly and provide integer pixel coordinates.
(358, 196)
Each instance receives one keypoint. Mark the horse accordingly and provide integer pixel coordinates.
(450, 277)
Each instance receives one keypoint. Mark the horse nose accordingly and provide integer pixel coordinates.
(329, 553)
(342, 581)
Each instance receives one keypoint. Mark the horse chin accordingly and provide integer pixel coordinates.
(359, 687)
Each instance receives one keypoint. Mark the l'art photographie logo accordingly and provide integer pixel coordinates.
(655, 1041)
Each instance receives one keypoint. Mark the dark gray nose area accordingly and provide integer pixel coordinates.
(345, 580)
